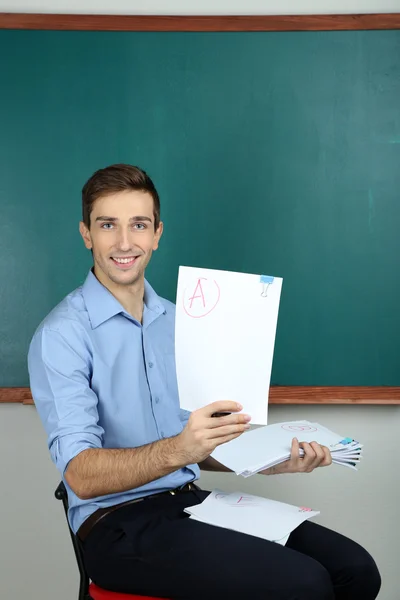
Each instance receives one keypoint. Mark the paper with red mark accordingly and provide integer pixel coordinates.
(253, 515)
(224, 338)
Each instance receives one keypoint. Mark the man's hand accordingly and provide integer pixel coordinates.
(203, 433)
(314, 456)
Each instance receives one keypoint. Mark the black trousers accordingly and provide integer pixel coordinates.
(153, 548)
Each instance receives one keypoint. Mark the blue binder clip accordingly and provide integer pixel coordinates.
(266, 281)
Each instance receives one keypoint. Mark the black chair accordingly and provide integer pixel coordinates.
(87, 589)
(61, 494)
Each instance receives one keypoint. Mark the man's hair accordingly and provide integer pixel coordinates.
(117, 178)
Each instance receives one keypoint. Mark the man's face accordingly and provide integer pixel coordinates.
(121, 236)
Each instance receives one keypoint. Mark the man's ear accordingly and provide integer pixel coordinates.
(85, 233)
(157, 235)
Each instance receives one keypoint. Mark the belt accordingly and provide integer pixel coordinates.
(100, 513)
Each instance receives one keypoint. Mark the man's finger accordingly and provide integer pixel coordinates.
(327, 457)
(320, 454)
(231, 419)
(227, 430)
(221, 406)
(309, 456)
(295, 450)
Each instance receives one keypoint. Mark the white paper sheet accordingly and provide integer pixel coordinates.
(253, 515)
(224, 338)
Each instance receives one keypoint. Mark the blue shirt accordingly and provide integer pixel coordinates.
(100, 379)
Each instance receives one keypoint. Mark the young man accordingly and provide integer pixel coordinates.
(102, 375)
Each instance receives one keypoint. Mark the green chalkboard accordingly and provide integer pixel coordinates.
(273, 153)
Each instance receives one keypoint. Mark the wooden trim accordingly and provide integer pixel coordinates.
(278, 395)
(334, 395)
(199, 22)
(15, 395)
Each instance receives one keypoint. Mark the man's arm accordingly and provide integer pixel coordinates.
(97, 472)
(59, 369)
(104, 471)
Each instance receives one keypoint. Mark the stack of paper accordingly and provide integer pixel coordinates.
(268, 446)
(267, 519)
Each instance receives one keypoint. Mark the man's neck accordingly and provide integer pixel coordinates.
(131, 297)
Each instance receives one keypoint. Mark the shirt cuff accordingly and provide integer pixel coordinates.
(65, 448)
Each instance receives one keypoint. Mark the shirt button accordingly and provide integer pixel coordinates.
(151, 365)
(157, 399)
(162, 434)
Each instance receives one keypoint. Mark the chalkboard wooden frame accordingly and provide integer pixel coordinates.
(278, 395)
(73, 22)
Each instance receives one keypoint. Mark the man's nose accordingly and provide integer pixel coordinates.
(124, 241)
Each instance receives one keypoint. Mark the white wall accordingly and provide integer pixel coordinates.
(36, 557)
(204, 7)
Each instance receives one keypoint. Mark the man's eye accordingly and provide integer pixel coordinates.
(140, 226)
(105, 224)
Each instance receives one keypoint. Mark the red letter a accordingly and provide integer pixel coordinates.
(201, 295)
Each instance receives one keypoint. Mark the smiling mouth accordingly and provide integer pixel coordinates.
(124, 263)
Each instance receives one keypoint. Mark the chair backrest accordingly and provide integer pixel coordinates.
(61, 494)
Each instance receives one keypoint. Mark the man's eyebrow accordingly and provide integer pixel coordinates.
(114, 219)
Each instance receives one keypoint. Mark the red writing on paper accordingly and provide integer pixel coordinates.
(301, 428)
(241, 502)
(198, 293)
(247, 501)
(201, 297)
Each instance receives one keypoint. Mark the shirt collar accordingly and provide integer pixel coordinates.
(102, 305)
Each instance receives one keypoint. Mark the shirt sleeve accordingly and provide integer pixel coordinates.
(59, 364)
(184, 416)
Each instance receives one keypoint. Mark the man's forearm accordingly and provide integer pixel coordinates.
(100, 471)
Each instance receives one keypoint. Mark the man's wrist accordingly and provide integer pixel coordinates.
(176, 455)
